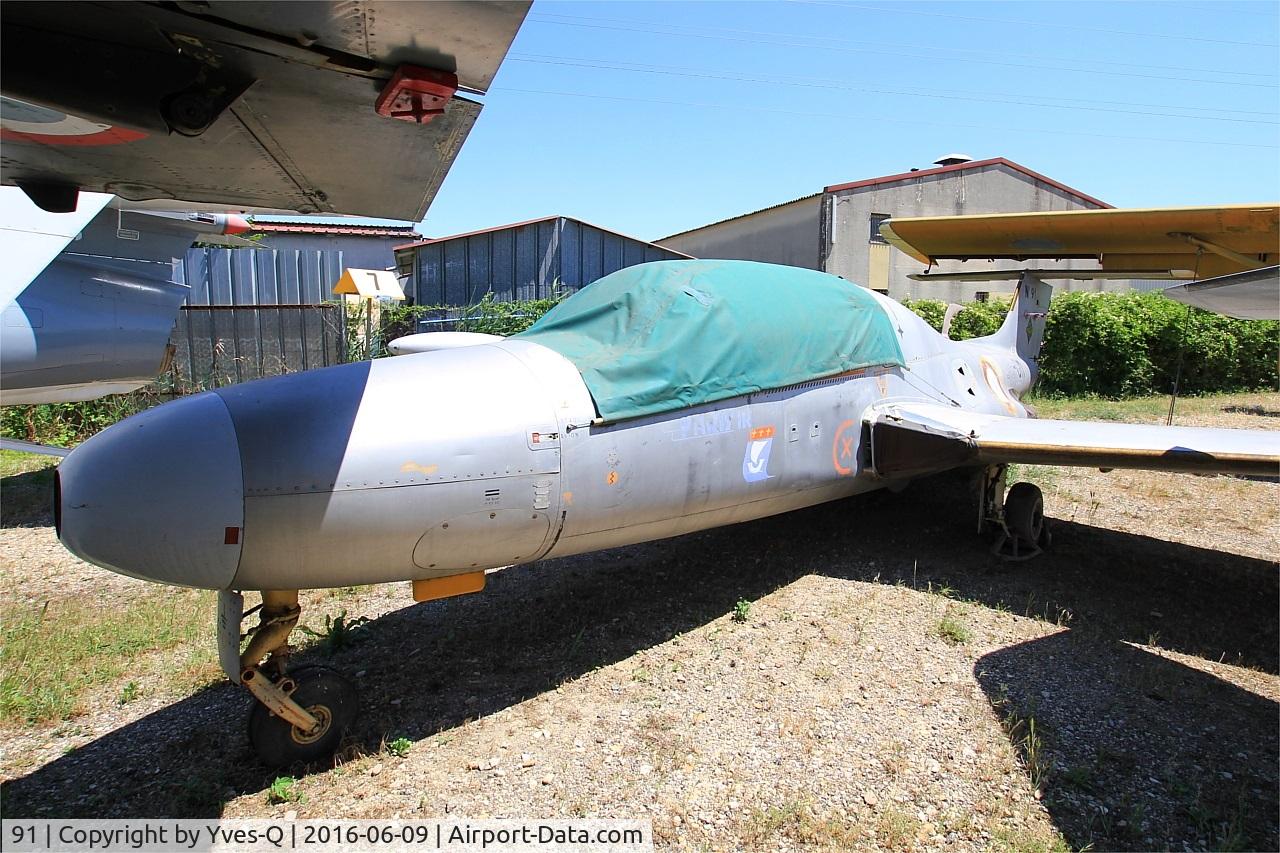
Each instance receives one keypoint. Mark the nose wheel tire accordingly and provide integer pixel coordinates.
(329, 697)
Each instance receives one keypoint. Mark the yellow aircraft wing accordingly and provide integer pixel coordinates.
(1200, 242)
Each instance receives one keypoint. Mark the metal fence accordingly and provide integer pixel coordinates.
(217, 345)
(260, 276)
(255, 313)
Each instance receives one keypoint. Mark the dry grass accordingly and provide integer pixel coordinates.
(54, 653)
(1250, 410)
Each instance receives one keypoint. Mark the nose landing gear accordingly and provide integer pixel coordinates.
(1016, 516)
(325, 697)
(300, 716)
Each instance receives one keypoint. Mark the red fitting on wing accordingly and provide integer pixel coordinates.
(235, 224)
(416, 94)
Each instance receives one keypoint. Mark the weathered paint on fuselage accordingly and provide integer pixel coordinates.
(764, 453)
(439, 463)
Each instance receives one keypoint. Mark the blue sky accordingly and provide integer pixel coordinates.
(651, 118)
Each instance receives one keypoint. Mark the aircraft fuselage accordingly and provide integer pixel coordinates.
(441, 463)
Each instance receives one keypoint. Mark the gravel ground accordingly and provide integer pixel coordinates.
(880, 692)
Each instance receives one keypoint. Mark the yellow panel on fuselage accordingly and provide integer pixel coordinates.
(1120, 239)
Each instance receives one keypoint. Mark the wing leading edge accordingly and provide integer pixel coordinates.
(915, 438)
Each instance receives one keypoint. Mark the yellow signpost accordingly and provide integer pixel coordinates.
(363, 291)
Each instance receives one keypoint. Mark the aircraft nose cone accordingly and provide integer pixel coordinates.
(158, 496)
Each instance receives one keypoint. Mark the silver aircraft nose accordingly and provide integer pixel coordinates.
(158, 496)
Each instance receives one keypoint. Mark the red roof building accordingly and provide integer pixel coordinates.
(364, 245)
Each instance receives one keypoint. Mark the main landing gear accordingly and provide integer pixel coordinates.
(300, 716)
(1016, 515)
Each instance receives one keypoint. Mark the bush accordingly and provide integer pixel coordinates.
(1129, 344)
(68, 424)
(1133, 344)
(1099, 346)
(979, 319)
(932, 311)
(488, 316)
(973, 321)
(505, 318)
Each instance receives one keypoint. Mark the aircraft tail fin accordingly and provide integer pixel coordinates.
(1023, 327)
(30, 238)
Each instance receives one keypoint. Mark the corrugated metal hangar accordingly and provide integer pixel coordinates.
(837, 230)
(527, 260)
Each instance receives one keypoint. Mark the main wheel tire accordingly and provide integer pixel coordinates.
(1024, 513)
(328, 696)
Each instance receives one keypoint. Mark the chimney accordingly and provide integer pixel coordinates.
(953, 159)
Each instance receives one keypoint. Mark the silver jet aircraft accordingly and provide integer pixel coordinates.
(663, 399)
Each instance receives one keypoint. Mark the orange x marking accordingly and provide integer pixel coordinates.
(842, 449)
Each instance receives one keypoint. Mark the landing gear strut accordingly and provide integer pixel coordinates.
(300, 716)
(1016, 516)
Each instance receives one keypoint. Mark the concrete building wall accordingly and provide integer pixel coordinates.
(785, 234)
(832, 231)
(853, 252)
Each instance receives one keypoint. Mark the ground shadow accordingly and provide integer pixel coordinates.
(28, 499)
(447, 662)
(1134, 751)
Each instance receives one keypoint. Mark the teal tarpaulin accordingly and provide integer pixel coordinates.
(670, 334)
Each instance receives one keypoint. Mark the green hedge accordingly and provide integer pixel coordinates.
(68, 424)
(1131, 344)
(488, 316)
(974, 321)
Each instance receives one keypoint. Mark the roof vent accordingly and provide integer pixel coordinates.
(953, 159)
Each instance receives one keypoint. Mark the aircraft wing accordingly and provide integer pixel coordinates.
(1179, 242)
(311, 106)
(1250, 295)
(912, 438)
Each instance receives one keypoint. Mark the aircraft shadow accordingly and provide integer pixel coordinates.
(537, 626)
(1134, 751)
(28, 499)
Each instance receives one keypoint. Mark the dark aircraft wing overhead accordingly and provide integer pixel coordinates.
(314, 106)
(912, 438)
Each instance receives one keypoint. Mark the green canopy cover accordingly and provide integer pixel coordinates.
(667, 335)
